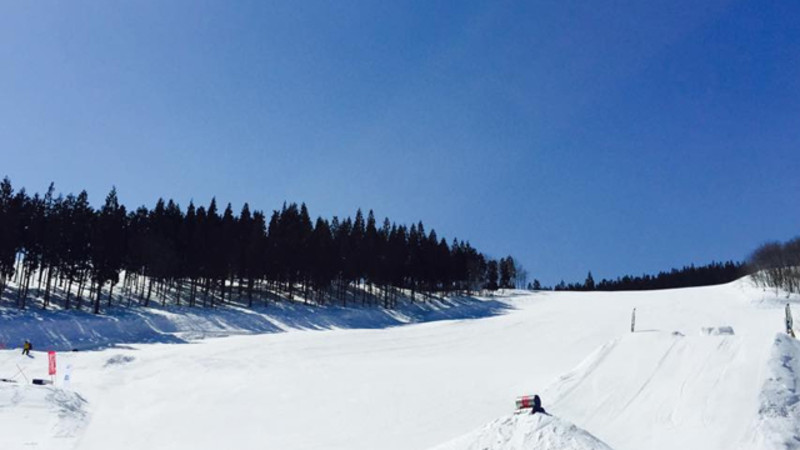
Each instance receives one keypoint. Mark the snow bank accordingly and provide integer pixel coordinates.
(118, 360)
(68, 330)
(717, 331)
(778, 424)
(42, 417)
(526, 431)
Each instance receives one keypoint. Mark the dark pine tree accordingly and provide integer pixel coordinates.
(107, 246)
(491, 275)
(588, 285)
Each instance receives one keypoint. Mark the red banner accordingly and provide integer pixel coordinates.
(51, 357)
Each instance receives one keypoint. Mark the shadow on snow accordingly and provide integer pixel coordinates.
(78, 330)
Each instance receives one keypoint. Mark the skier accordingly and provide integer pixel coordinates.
(26, 348)
(537, 406)
(789, 321)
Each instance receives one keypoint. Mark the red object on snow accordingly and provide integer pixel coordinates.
(51, 358)
(526, 401)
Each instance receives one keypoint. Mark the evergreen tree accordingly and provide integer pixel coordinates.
(588, 285)
(508, 272)
(491, 275)
(107, 245)
(9, 233)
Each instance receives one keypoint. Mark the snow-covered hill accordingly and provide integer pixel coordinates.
(704, 370)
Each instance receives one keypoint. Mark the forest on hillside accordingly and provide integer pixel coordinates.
(686, 276)
(777, 265)
(58, 247)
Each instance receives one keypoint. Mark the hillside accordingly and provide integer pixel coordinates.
(408, 380)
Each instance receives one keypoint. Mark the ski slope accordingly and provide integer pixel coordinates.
(675, 387)
(445, 383)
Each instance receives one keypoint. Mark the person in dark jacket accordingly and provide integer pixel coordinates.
(26, 347)
(537, 406)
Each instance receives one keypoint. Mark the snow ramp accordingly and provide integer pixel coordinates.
(526, 431)
(680, 391)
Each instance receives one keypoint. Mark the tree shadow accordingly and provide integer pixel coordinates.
(65, 330)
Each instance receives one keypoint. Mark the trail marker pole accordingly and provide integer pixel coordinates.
(633, 320)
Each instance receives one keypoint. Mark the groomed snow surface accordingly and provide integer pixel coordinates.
(707, 368)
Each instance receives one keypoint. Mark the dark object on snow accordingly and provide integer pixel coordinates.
(7, 380)
(27, 347)
(537, 406)
(41, 382)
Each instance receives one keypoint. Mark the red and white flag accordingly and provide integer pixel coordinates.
(51, 358)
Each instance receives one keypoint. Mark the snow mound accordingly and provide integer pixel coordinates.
(43, 417)
(717, 331)
(526, 431)
(778, 423)
(118, 360)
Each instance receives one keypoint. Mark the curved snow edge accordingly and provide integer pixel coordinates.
(778, 424)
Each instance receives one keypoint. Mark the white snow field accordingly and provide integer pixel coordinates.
(707, 368)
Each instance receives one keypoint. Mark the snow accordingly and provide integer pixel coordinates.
(444, 374)
(674, 386)
(79, 330)
(525, 431)
(717, 331)
(778, 423)
(40, 417)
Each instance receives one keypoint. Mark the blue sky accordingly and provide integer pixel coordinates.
(617, 137)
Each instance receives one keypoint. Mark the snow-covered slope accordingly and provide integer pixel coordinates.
(671, 385)
(365, 384)
(69, 330)
(40, 417)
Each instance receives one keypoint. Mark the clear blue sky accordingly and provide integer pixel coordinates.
(612, 136)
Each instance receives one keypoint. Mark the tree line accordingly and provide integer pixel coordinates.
(777, 265)
(687, 276)
(60, 247)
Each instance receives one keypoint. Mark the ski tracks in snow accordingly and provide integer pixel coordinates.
(677, 384)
